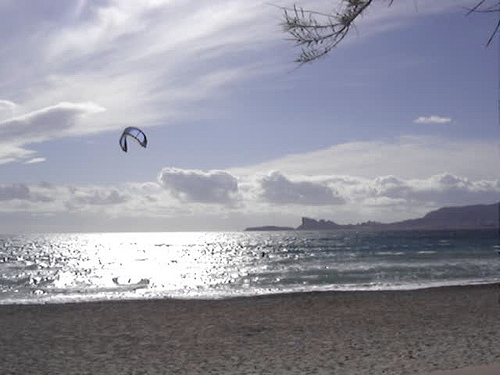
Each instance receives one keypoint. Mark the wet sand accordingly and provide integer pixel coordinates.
(401, 332)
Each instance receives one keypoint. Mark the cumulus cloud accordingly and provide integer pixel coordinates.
(199, 186)
(390, 187)
(393, 195)
(99, 197)
(20, 192)
(448, 189)
(145, 188)
(432, 120)
(278, 189)
(46, 185)
(439, 190)
(9, 192)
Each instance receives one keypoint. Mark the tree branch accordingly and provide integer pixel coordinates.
(317, 33)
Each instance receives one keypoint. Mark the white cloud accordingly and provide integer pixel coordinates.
(439, 190)
(199, 186)
(11, 192)
(405, 157)
(7, 109)
(432, 120)
(35, 161)
(150, 62)
(448, 189)
(51, 122)
(7, 105)
(147, 63)
(12, 152)
(96, 197)
(21, 192)
(278, 189)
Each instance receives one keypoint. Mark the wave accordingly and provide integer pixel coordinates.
(89, 267)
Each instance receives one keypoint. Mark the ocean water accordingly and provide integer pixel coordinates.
(58, 268)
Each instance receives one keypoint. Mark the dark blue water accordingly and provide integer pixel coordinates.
(83, 267)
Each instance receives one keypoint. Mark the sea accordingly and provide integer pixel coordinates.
(62, 268)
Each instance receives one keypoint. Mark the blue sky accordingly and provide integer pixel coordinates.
(400, 119)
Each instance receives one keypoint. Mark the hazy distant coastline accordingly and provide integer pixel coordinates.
(268, 228)
(463, 217)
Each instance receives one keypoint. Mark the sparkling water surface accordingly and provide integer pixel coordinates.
(99, 266)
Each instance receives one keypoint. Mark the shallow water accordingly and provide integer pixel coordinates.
(99, 266)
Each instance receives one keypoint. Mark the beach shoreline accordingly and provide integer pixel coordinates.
(374, 332)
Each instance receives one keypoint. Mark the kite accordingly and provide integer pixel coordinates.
(136, 134)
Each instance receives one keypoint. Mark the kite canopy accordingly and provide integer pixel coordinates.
(136, 134)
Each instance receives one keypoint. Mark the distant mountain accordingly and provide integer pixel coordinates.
(465, 217)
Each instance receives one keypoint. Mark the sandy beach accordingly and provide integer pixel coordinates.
(402, 332)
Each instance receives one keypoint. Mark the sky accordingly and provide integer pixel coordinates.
(400, 119)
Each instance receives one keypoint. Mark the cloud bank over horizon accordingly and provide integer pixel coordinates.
(259, 194)
(343, 199)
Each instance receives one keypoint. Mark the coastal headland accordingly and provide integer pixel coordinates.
(447, 218)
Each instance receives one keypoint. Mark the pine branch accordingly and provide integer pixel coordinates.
(317, 33)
